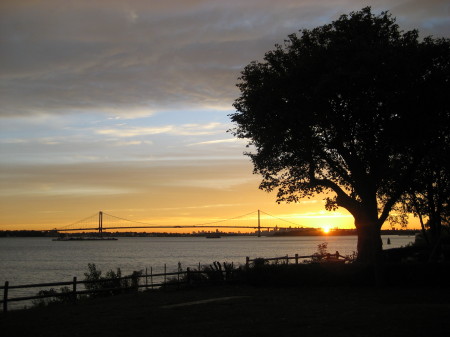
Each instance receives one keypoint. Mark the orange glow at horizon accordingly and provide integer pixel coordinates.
(168, 205)
(175, 224)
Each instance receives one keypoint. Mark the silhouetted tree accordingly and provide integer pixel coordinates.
(352, 108)
(429, 195)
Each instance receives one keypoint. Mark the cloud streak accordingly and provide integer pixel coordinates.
(180, 130)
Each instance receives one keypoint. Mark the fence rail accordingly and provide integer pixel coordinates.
(285, 259)
(74, 283)
(74, 292)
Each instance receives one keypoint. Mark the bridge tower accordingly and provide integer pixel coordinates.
(259, 224)
(100, 222)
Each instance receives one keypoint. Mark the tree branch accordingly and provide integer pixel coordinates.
(402, 187)
(342, 199)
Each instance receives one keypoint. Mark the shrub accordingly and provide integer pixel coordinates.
(322, 250)
(52, 296)
(113, 283)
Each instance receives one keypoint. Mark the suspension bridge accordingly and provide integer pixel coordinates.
(257, 220)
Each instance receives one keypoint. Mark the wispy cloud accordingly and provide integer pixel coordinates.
(219, 183)
(217, 141)
(319, 214)
(135, 131)
(73, 191)
(13, 141)
(134, 143)
(200, 207)
(179, 130)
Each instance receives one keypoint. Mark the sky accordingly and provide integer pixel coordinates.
(122, 106)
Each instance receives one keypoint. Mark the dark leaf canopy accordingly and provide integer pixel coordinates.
(351, 106)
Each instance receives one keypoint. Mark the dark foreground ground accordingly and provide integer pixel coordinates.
(245, 311)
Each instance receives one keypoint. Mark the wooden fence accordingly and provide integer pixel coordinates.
(180, 277)
(297, 259)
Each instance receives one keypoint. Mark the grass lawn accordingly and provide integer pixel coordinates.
(244, 311)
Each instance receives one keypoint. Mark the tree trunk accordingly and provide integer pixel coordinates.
(369, 249)
(369, 242)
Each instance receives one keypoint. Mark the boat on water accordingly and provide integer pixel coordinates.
(82, 238)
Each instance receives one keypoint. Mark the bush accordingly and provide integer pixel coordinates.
(52, 296)
(215, 273)
(113, 283)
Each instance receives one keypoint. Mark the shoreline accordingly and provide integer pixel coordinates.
(292, 232)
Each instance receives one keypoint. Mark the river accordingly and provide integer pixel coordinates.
(38, 260)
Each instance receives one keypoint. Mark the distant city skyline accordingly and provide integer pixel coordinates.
(122, 106)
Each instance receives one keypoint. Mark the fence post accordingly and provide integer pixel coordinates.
(296, 258)
(188, 275)
(287, 259)
(151, 276)
(179, 271)
(74, 289)
(5, 297)
(165, 273)
(146, 283)
(247, 261)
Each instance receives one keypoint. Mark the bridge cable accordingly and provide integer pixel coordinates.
(293, 223)
(197, 225)
(82, 220)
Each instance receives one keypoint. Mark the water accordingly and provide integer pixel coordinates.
(39, 260)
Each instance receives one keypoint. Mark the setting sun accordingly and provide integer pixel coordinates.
(326, 229)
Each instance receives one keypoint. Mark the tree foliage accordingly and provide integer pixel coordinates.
(352, 107)
(429, 195)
